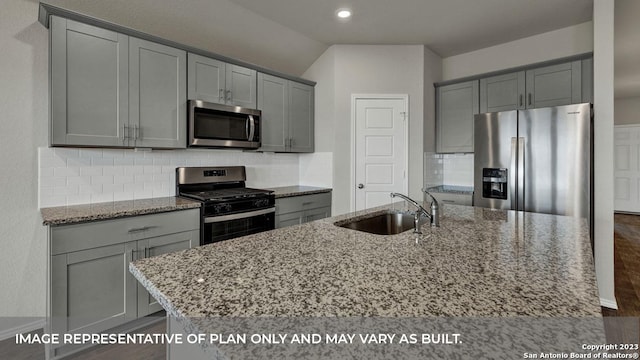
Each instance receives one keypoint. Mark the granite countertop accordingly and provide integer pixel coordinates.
(452, 189)
(479, 263)
(297, 190)
(61, 215)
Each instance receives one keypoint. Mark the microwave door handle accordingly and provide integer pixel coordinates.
(251, 123)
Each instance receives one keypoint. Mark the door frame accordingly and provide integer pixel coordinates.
(356, 97)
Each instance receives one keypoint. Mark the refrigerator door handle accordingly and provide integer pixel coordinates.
(513, 185)
(521, 177)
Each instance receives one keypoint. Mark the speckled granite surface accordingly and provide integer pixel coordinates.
(453, 189)
(480, 262)
(110, 210)
(297, 190)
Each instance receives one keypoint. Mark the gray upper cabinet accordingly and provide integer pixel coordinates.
(502, 92)
(157, 93)
(587, 80)
(273, 101)
(301, 117)
(554, 85)
(287, 114)
(112, 90)
(217, 82)
(456, 106)
(89, 85)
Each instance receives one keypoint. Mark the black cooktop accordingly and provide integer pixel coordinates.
(225, 194)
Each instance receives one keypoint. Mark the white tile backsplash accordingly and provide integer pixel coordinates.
(457, 169)
(78, 176)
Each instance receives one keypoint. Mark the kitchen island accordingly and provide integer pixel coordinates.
(480, 264)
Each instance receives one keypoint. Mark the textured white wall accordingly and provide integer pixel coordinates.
(367, 69)
(23, 120)
(627, 111)
(603, 26)
(572, 40)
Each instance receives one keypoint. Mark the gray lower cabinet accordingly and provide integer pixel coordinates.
(297, 210)
(110, 89)
(445, 198)
(456, 106)
(90, 287)
(215, 81)
(287, 114)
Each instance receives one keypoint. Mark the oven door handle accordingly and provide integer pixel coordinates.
(244, 215)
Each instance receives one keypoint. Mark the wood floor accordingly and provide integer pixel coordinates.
(627, 288)
(626, 265)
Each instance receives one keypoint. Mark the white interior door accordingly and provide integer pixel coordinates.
(380, 149)
(627, 168)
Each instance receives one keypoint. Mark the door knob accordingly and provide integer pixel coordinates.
(360, 186)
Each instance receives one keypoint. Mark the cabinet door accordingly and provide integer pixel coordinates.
(301, 117)
(206, 79)
(317, 214)
(241, 86)
(89, 87)
(92, 290)
(554, 85)
(158, 95)
(587, 80)
(290, 219)
(147, 304)
(457, 105)
(502, 92)
(273, 101)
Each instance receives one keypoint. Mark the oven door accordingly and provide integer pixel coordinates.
(224, 227)
(215, 125)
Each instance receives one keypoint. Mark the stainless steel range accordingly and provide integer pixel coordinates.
(229, 208)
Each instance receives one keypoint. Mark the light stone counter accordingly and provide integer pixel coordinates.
(72, 214)
(480, 263)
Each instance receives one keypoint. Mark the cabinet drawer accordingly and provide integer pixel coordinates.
(68, 238)
(456, 199)
(299, 203)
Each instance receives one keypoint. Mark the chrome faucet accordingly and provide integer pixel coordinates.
(435, 209)
(421, 210)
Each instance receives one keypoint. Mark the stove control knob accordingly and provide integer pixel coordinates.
(261, 202)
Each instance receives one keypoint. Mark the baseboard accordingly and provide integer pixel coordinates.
(611, 304)
(25, 328)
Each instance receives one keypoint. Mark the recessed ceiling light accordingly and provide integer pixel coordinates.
(343, 13)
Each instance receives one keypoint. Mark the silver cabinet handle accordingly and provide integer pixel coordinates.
(144, 228)
(529, 98)
(136, 132)
(228, 95)
(221, 94)
(360, 186)
(521, 96)
(125, 132)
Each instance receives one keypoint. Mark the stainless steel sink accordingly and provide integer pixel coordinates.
(388, 223)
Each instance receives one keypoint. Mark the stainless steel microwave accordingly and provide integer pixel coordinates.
(223, 126)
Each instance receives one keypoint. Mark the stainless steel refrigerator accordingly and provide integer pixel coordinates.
(536, 160)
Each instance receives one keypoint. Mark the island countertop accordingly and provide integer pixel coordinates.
(480, 262)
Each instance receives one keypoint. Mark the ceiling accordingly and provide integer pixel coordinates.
(289, 35)
(448, 27)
